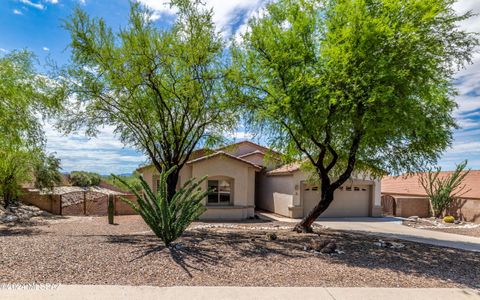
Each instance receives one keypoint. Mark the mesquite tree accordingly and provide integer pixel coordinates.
(26, 96)
(161, 88)
(353, 85)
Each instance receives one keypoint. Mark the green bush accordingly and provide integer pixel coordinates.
(131, 179)
(168, 219)
(442, 190)
(85, 179)
(448, 219)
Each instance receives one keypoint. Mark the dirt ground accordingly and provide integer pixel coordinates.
(86, 250)
(465, 228)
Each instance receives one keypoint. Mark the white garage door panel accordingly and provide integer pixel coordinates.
(346, 203)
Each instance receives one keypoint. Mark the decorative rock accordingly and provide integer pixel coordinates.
(392, 245)
(9, 218)
(178, 246)
(271, 236)
(326, 246)
(395, 245)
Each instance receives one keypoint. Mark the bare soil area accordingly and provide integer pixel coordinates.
(86, 250)
(464, 228)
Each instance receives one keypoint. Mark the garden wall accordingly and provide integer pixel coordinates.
(49, 203)
(122, 208)
(74, 204)
(407, 206)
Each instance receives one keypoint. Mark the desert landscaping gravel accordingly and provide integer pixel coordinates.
(86, 250)
(465, 228)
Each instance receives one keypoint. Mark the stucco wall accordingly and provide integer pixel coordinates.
(275, 193)
(241, 173)
(284, 194)
(462, 209)
(466, 209)
(150, 174)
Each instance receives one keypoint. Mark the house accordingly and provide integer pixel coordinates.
(246, 176)
(404, 196)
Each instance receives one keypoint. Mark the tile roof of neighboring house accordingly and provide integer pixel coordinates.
(222, 153)
(402, 185)
(285, 169)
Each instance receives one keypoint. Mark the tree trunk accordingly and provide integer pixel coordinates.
(305, 226)
(7, 198)
(172, 181)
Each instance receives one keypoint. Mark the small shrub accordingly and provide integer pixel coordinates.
(168, 218)
(449, 219)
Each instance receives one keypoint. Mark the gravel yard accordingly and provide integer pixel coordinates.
(86, 250)
(469, 229)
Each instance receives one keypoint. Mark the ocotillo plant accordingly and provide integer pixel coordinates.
(168, 219)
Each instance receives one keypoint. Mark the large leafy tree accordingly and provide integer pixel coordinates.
(26, 97)
(161, 88)
(353, 85)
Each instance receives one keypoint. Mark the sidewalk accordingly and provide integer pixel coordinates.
(87, 292)
(392, 227)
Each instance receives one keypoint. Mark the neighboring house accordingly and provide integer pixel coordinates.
(244, 176)
(404, 197)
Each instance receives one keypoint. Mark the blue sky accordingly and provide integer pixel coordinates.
(37, 26)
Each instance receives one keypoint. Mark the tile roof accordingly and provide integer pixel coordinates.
(285, 169)
(411, 186)
(252, 153)
(224, 154)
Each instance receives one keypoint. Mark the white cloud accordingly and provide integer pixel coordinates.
(227, 13)
(17, 12)
(52, 1)
(33, 4)
(104, 154)
(466, 143)
(3, 50)
(45, 49)
(241, 135)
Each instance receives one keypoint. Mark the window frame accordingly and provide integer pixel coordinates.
(218, 192)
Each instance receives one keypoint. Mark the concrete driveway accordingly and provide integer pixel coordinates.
(393, 228)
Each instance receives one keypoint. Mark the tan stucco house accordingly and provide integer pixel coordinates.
(246, 176)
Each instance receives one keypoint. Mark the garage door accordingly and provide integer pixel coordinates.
(348, 201)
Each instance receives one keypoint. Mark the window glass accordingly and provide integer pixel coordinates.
(220, 191)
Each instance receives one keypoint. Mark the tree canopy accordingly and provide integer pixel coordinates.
(161, 88)
(26, 97)
(353, 85)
